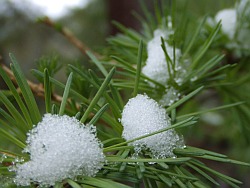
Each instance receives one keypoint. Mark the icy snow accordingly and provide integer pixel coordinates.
(60, 147)
(141, 116)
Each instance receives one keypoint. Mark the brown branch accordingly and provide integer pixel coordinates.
(37, 89)
(72, 38)
(69, 35)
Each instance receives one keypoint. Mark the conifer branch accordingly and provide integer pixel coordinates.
(37, 89)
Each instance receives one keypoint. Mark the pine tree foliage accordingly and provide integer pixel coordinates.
(128, 114)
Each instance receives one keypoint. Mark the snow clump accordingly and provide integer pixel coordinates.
(228, 19)
(142, 116)
(157, 67)
(60, 147)
(156, 64)
(236, 26)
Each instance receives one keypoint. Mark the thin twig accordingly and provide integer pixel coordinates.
(37, 89)
(69, 35)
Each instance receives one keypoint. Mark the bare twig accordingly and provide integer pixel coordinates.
(37, 89)
(69, 35)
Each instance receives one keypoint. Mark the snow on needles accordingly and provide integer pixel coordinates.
(157, 68)
(156, 64)
(235, 25)
(60, 147)
(231, 20)
(228, 19)
(142, 116)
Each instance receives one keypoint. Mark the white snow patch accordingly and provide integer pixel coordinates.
(60, 147)
(156, 64)
(236, 24)
(157, 67)
(228, 19)
(142, 116)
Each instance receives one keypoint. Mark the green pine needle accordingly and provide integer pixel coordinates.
(47, 91)
(65, 94)
(98, 95)
(184, 99)
(98, 114)
(138, 70)
(26, 91)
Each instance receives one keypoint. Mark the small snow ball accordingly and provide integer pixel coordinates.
(60, 147)
(142, 116)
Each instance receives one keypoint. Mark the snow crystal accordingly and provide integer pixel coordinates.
(60, 147)
(171, 95)
(228, 19)
(142, 116)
